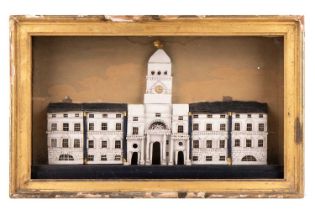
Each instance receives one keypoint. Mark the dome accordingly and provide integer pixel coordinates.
(159, 56)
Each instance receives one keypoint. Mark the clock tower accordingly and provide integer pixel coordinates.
(159, 78)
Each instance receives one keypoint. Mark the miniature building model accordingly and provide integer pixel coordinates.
(158, 132)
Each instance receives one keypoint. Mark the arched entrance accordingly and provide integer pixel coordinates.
(156, 154)
(180, 158)
(134, 158)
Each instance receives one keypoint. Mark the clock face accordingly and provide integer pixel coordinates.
(158, 89)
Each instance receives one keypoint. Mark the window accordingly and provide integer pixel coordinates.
(237, 115)
(261, 115)
(158, 114)
(260, 143)
(104, 144)
(209, 116)
(248, 158)
(237, 126)
(77, 127)
(65, 143)
(135, 118)
(222, 127)
(118, 115)
(248, 143)
(167, 153)
(180, 143)
(152, 72)
(135, 131)
(104, 126)
(76, 114)
(53, 126)
(53, 115)
(249, 116)
(195, 116)
(209, 143)
(65, 126)
(209, 127)
(180, 117)
(104, 115)
(103, 157)
(65, 115)
(91, 115)
(222, 116)
(165, 72)
(195, 158)
(118, 126)
(249, 127)
(90, 157)
(180, 129)
(237, 143)
(117, 144)
(222, 158)
(117, 157)
(66, 157)
(208, 158)
(91, 144)
(76, 143)
(167, 142)
(195, 126)
(195, 144)
(53, 142)
(159, 73)
(261, 127)
(91, 126)
(222, 143)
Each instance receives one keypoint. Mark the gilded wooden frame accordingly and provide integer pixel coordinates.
(23, 27)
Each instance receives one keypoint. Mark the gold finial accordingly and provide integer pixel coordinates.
(158, 44)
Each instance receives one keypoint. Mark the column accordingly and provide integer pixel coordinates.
(187, 152)
(164, 150)
(147, 155)
(171, 161)
(142, 152)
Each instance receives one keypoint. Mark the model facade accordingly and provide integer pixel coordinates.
(158, 132)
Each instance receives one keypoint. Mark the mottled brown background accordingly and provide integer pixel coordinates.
(113, 69)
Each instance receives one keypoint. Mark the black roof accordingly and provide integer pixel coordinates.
(63, 107)
(229, 106)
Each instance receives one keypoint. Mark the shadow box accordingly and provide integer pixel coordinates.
(167, 83)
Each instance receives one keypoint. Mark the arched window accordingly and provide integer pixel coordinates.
(248, 158)
(66, 157)
(158, 125)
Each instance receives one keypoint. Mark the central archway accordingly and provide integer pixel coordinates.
(156, 154)
(180, 158)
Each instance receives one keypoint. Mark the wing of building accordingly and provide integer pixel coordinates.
(157, 131)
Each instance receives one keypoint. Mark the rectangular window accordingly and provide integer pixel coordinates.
(91, 115)
(195, 158)
(135, 118)
(65, 126)
(249, 127)
(180, 117)
(237, 143)
(209, 127)
(53, 126)
(222, 143)
(222, 127)
(260, 143)
(195, 116)
(91, 126)
(118, 115)
(117, 157)
(77, 127)
(135, 131)
(237, 115)
(237, 127)
(209, 143)
(76, 143)
(117, 144)
(91, 144)
(53, 142)
(65, 115)
(261, 115)
(118, 126)
(158, 114)
(104, 144)
(222, 116)
(249, 116)
(53, 115)
(77, 115)
(261, 127)
(208, 158)
(248, 143)
(195, 144)
(195, 126)
(167, 142)
(104, 126)
(222, 158)
(105, 115)
(209, 116)
(180, 129)
(103, 157)
(90, 157)
(65, 143)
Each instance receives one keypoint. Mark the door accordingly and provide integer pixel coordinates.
(134, 158)
(156, 154)
(180, 158)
